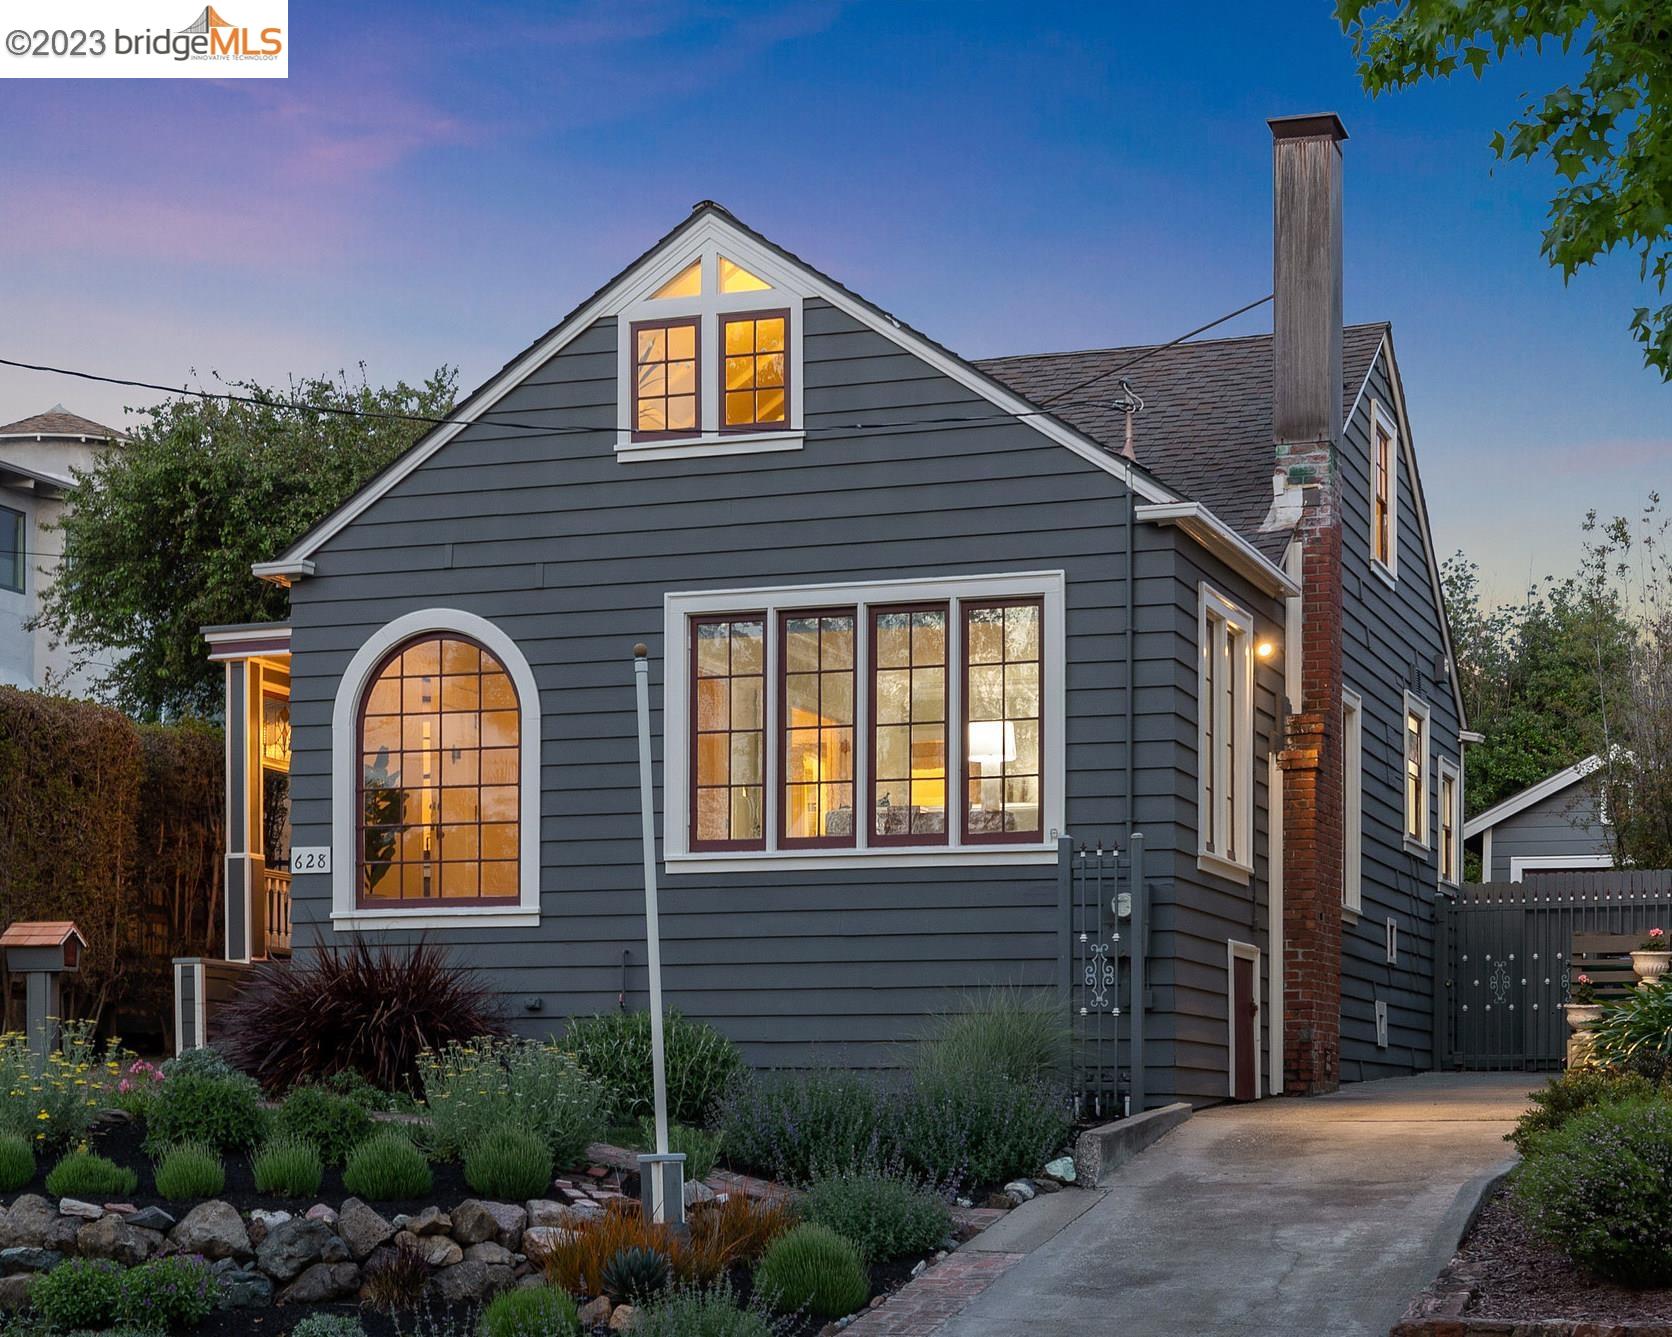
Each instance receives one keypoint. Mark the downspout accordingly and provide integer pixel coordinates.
(1139, 922)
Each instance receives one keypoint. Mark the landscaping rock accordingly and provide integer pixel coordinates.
(697, 1192)
(320, 1212)
(213, 1229)
(152, 1218)
(538, 1241)
(546, 1212)
(595, 1312)
(487, 1252)
(112, 1237)
(291, 1248)
(1062, 1168)
(1022, 1190)
(475, 1221)
(621, 1318)
(322, 1283)
(34, 1223)
(14, 1291)
(335, 1251)
(242, 1287)
(121, 1208)
(362, 1228)
(430, 1221)
(263, 1221)
(470, 1281)
(89, 1211)
(25, 1259)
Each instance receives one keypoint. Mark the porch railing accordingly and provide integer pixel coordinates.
(276, 887)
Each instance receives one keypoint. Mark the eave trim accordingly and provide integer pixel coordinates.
(1224, 543)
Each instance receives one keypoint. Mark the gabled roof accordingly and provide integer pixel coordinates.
(40, 933)
(1551, 784)
(1206, 427)
(59, 422)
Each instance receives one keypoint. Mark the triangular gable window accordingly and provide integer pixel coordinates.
(686, 283)
(735, 278)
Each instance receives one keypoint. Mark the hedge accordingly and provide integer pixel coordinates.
(117, 826)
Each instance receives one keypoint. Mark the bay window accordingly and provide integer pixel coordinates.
(885, 707)
(1225, 730)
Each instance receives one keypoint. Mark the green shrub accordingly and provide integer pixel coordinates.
(201, 1061)
(978, 1130)
(166, 1293)
(1574, 1092)
(1019, 1035)
(81, 1174)
(1600, 1188)
(190, 1170)
(80, 1293)
(288, 1166)
(1635, 1032)
(335, 1124)
(689, 1311)
(17, 1162)
(701, 1149)
(329, 1325)
(797, 1128)
(634, 1274)
(539, 1311)
(886, 1218)
(814, 1268)
(352, 1086)
(508, 1163)
(223, 1112)
(387, 1168)
(489, 1083)
(701, 1063)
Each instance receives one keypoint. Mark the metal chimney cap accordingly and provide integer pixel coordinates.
(1311, 126)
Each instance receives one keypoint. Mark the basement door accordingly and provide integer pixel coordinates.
(1242, 962)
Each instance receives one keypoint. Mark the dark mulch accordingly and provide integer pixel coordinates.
(1517, 1278)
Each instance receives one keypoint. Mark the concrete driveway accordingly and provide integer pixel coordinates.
(1280, 1217)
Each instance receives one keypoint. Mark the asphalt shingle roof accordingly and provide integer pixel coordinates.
(1206, 426)
(59, 421)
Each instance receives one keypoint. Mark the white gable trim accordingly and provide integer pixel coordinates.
(1224, 543)
(626, 289)
(1545, 788)
(1407, 451)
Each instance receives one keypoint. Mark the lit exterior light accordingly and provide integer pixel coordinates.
(1266, 649)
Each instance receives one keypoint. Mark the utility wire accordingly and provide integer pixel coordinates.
(828, 429)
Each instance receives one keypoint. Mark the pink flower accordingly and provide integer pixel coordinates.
(1657, 933)
(1584, 979)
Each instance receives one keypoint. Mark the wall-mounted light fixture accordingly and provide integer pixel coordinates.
(1266, 649)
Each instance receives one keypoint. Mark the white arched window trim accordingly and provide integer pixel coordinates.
(345, 762)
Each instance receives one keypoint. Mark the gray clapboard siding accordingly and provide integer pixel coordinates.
(1390, 640)
(1565, 825)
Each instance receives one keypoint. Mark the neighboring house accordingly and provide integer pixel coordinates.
(36, 458)
(912, 619)
(1555, 825)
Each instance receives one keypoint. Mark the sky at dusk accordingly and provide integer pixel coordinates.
(439, 184)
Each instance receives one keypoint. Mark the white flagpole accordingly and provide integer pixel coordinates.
(653, 934)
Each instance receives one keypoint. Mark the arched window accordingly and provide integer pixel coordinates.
(439, 808)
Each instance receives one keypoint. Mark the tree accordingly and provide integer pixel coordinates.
(160, 535)
(1609, 137)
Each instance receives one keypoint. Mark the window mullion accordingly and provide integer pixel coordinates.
(864, 682)
(775, 740)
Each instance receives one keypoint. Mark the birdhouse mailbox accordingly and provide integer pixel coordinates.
(42, 951)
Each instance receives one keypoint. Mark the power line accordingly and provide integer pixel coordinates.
(870, 429)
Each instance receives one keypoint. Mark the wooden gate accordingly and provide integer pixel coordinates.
(1505, 950)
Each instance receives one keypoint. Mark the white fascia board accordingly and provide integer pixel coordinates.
(1551, 784)
(716, 228)
(1223, 542)
(282, 572)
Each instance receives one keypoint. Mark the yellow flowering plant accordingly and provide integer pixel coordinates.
(51, 1100)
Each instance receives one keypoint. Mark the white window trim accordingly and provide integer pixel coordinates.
(1556, 863)
(1390, 940)
(1352, 805)
(679, 608)
(1423, 843)
(1448, 769)
(345, 764)
(1247, 951)
(1239, 730)
(784, 294)
(1388, 570)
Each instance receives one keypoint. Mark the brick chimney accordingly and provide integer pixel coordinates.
(1306, 424)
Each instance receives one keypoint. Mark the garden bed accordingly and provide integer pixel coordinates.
(1503, 1277)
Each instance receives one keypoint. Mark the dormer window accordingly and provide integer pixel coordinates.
(710, 357)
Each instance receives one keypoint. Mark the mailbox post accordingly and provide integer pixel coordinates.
(43, 951)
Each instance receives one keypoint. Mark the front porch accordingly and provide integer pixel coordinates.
(256, 657)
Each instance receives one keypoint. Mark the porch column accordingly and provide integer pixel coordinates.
(245, 862)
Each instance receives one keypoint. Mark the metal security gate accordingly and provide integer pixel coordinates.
(1100, 920)
(1504, 949)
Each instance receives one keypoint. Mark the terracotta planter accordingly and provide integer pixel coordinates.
(1650, 966)
(1580, 1015)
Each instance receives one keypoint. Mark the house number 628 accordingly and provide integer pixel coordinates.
(310, 859)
